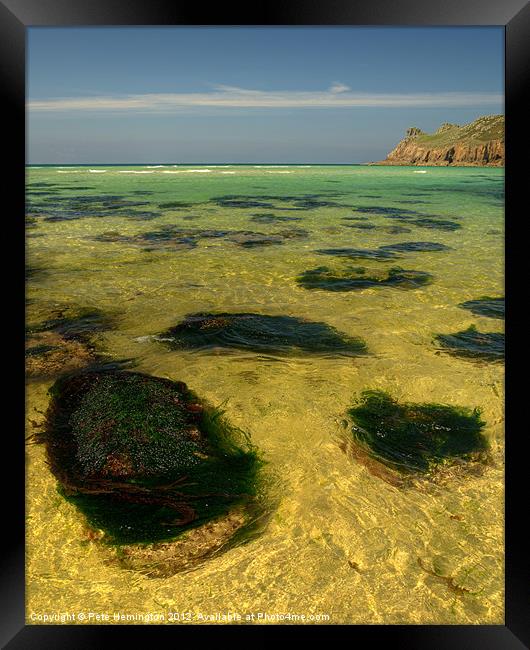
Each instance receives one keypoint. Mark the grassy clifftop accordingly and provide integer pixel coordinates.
(482, 130)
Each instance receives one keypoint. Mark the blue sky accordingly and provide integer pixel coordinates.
(180, 94)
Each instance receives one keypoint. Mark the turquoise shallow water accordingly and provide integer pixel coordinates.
(342, 541)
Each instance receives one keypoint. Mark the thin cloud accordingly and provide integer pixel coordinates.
(337, 96)
(338, 87)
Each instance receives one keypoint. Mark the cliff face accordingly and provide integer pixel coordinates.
(480, 143)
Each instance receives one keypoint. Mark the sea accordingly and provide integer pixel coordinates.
(148, 245)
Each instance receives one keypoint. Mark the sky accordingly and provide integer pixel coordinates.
(259, 95)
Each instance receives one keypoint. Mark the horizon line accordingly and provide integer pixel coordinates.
(338, 95)
(187, 164)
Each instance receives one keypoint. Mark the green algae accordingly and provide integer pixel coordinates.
(143, 458)
(260, 333)
(472, 344)
(485, 306)
(414, 438)
(356, 278)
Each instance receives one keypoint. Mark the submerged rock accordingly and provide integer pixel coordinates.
(472, 344)
(415, 247)
(255, 239)
(73, 323)
(359, 253)
(293, 233)
(144, 460)
(310, 203)
(239, 202)
(175, 238)
(394, 230)
(176, 204)
(387, 211)
(167, 237)
(412, 217)
(435, 224)
(362, 226)
(300, 202)
(66, 208)
(48, 354)
(260, 333)
(412, 438)
(63, 343)
(486, 306)
(352, 278)
(249, 239)
(272, 218)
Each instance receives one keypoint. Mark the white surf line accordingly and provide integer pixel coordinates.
(97, 171)
(419, 171)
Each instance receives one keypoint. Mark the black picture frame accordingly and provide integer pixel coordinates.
(514, 15)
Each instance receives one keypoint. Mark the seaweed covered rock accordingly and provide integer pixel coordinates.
(260, 333)
(173, 238)
(359, 253)
(355, 278)
(362, 226)
(249, 239)
(485, 306)
(414, 438)
(74, 323)
(415, 247)
(55, 208)
(386, 211)
(472, 344)
(145, 461)
(435, 224)
(49, 354)
(268, 217)
(255, 239)
(394, 230)
(64, 342)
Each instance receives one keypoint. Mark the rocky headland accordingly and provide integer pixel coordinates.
(480, 144)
